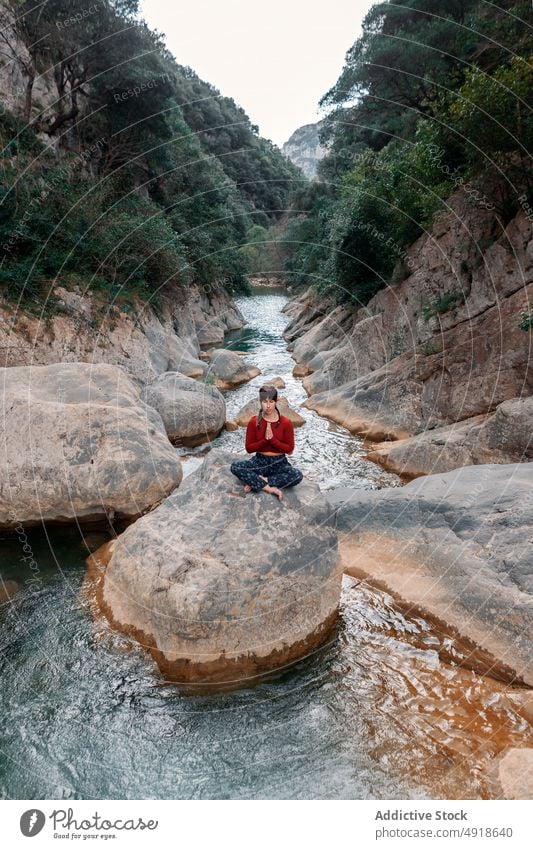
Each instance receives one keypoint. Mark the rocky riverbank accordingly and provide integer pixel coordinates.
(88, 439)
(457, 546)
(144, 342)
(446, 344)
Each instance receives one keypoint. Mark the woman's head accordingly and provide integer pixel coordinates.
(268, 395)
(268, 392)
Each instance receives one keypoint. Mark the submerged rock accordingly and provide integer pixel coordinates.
(511, 774)
(192, 411)
(78, 443)
(457, 546)
(229, 370)
(220, 586)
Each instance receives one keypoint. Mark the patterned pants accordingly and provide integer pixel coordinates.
(277, 470)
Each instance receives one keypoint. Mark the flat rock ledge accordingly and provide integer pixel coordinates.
(458, 547)
(337, 407)
(79, 444)
(505, 436)
(222, 587)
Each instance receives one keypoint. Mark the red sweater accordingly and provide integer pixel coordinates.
(282, 441)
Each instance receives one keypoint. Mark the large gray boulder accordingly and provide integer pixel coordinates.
(505, 436)
(228, 369)
(178, 355)
(78, 443)
(222, 586)
(192, 411)
(458, 546)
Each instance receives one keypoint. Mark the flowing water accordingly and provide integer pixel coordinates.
(375, 713)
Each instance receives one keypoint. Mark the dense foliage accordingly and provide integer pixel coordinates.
(433, 96)
(134, 172)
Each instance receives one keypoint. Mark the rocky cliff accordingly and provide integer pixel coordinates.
(304, 149)
(145, 343)
(448, 343)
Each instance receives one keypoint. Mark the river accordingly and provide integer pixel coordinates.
(376, 713)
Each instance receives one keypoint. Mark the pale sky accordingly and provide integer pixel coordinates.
(275, 58)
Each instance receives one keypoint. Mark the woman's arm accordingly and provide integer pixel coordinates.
(253, 440)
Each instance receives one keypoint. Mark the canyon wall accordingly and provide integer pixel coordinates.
(144, 341)
(448, 343)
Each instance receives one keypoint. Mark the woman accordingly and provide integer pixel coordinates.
(271, 435)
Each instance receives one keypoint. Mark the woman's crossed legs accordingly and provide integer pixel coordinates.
(269, 473)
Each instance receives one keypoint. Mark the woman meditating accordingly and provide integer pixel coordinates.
(271, 435)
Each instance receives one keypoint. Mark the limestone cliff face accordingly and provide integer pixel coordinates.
(17, 85)
(304, 149)
(145, 344)
(439, 347)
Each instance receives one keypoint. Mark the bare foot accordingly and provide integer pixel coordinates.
(274, 490)
(247, 488)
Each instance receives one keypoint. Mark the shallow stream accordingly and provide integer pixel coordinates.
(376, 713)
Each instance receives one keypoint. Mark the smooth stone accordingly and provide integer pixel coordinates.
(326, 333)
(457, 546)
(192, 411)
(222, 587)
(512, 774)
(79, 444)
(301, 370)
(505, 436)
(229, 370)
